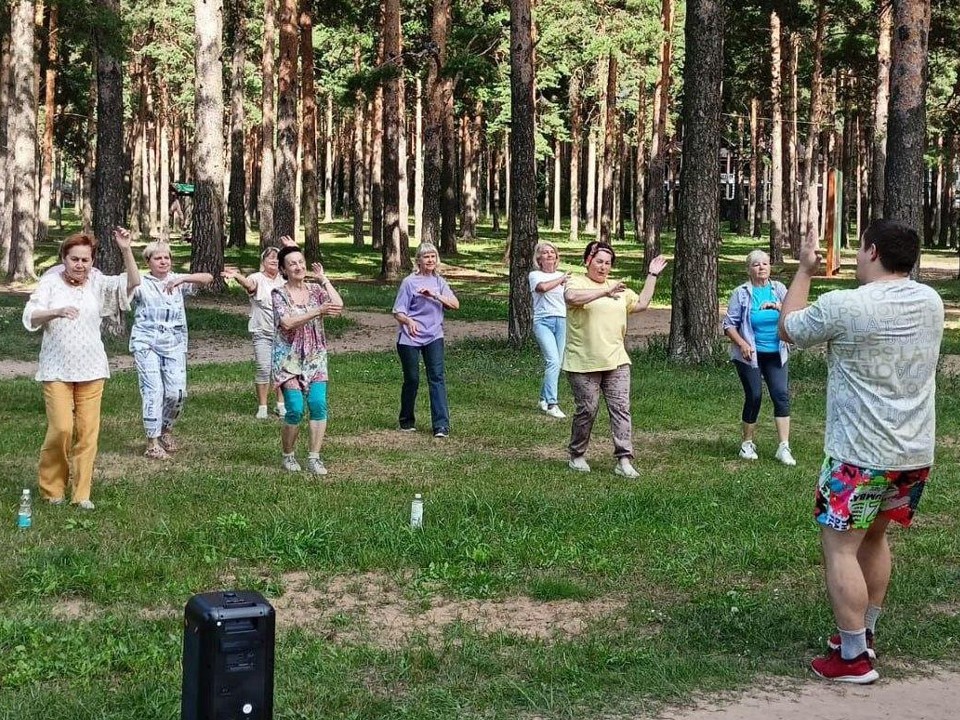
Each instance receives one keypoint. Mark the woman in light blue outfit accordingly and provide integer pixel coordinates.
(549, 321)
(158, 341)
(758, 353)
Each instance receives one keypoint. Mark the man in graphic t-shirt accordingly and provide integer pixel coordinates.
(883, 342)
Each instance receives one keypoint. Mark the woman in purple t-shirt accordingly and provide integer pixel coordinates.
(421, 299)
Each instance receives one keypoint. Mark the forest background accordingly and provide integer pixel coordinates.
(221, 122)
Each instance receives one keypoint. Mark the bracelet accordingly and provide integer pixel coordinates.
(654, 274)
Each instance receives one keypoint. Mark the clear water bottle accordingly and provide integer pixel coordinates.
(25, 513)
(416, 511)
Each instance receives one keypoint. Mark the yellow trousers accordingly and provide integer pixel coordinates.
(73, 428)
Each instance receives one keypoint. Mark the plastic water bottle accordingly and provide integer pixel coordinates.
(416, 511)
(25, 513)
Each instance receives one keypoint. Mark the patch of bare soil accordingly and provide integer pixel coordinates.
(373, 608)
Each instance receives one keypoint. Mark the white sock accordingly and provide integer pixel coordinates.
(873, 612)
(261, 408)
(853, 643)
(313, 455)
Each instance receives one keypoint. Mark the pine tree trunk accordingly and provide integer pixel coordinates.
(311, 184)
(6, 184)
(903, 185)
(790, 229)
(90, 156)
(693, 323)
(207, 247)
(946, 192)
(654, 196)
(848, 162)
(285, 190)
(496, 162)
(810, 203)
(776, 142)
(523, 186)
(238, 179)
(881, 107)
(433, 126)
(418, 180)
(164, 189)
(393, 262)
(448, 174)
(328, 159)
(468, 219)
(576, 150)
(755, 196)
(359, 180)
(377, 149)
(591, 182)
(268, 234)
(109, 200)
(49, 109)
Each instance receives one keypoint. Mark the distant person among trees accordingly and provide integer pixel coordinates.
(883, 343)
(260, 286)
(300, 354)
(759, 354)
(549, 321)
(418, 309)
(69, 306)
(596, 359)
(158, 341)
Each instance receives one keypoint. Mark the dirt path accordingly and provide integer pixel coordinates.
(930, 697)
(374, 332)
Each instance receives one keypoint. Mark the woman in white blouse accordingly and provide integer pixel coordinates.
(73, 362)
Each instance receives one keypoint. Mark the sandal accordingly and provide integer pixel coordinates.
(156, 452)
(168, 441)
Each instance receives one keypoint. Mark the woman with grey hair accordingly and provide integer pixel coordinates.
(418, 309)
(549, 320)
(260, 286)
(158, 341)
(758, 353)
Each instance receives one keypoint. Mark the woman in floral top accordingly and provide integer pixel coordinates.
(300, 354)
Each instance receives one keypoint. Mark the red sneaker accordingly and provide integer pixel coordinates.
(834, 644)
(833, 667)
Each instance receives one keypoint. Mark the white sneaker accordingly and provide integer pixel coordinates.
(262, 413)
(290, 464)
(86, 505)
(280, 410)
(579, 464)
(315, 465)
(784, 455)
(625, 468)
(555, 411)
(748, 451)
(543, 405)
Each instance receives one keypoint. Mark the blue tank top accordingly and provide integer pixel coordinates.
(765, 321)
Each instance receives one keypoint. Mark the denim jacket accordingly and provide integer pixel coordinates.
(738, 317)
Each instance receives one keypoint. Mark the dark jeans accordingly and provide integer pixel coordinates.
(433, 361)
(775, 375)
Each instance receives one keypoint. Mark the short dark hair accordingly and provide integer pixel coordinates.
(595, 246)
(282, 255)
(897, 244)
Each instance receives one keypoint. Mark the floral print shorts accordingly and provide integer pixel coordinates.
(850, 497)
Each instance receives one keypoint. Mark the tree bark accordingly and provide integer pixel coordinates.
(881, 106)
(109, 197)
(285, 190)
(591, 182)
(359, 179)
(576, 150)
(418, 167)
(693, 323)
(395, 253)
(311, 186)
(328, 158)
(906, 127)
(471, 142)
(810, 202)
(523, 198)
(268, 234)
(49, 110)
(206, 250)
(776, 142)
(90, 156)
(377, 149)
(238, 179)
(790, 228)
(6, 164)
(755, 197)
(654, 195)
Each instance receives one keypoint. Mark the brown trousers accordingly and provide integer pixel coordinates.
(587, 388)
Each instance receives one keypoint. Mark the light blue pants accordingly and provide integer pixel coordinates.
(163, 389)
(551, 334)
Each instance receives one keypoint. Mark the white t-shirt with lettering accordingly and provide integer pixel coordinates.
(883, 343)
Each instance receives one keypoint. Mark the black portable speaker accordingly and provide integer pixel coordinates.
(228, 640)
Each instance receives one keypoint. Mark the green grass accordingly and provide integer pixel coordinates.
(714, 564)
(709, 568)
